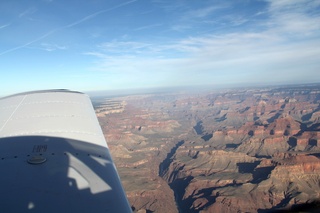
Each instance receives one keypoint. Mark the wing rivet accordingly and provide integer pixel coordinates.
(37, 160)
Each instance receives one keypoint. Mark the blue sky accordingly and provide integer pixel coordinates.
(114, 44)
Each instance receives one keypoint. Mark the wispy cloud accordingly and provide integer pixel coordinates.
(295, 18)
(134, 49)
(193, 18)
(49, 47)
(203, 12)
(181, 27)
(91, 16)
(234, 58)
(297, 5)
(28, 43)
(98, 13)
(4, 26)
(266, 54)
(147, 27)
(28, 11)
(123, 46)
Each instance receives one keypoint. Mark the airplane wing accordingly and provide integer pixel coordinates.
(53, 156)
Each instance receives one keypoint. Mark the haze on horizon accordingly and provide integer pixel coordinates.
(115, 45)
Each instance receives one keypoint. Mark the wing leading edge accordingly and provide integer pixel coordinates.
(53, 156)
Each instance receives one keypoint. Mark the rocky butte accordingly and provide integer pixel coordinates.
(237, 150)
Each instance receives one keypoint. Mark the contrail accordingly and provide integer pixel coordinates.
(28, 43)
(97, 13)
(66, 26)
(4, 26)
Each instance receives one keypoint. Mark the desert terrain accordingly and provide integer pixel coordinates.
(231, 150)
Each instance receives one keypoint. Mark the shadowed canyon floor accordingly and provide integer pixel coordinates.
(239, 150)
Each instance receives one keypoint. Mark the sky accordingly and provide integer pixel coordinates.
(114, 44)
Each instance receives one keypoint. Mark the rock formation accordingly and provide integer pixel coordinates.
(244, 150)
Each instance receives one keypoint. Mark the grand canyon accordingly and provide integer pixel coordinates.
(210, 150)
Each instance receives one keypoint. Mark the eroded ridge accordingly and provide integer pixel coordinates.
(248, 150)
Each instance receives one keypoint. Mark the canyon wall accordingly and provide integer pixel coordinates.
(243, 150)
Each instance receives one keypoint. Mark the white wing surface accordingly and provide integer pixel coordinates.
(53, 156)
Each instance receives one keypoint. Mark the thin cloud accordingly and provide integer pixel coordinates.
(119, 46)
(203, 12)
(63, 27)
(50, 47)
(28, 11)
(194, 18)
(133, 49)
(4, 26)
(98, 13)
(252, 56)
(181, 27)
(259, 56)
(28, 43)
(294, 18)
(297, 5)
(147, 27)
